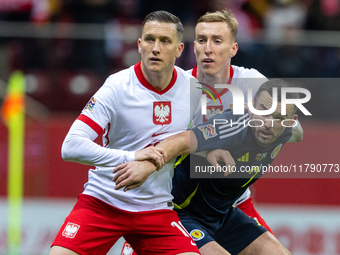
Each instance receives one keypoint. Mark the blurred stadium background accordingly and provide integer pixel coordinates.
(67, 48)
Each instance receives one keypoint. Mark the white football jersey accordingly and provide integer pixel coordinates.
(135, 115)
(241, 77)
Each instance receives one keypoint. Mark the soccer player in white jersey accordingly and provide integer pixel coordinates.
(215, 44)
(135, 108)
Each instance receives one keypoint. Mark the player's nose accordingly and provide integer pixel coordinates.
(268, 122)
(156, 48)
(207, 48)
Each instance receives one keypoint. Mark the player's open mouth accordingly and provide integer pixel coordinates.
(208, 60)
(265, 134)
(155, 59)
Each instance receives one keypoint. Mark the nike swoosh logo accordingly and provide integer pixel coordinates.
(154, 134)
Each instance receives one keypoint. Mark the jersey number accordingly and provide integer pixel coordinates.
(180, 227)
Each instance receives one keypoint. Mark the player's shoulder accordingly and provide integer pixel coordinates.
(113, 85)
(182, 74)
(119, 77)
(242, 72)
(189, 71)
(287, 134)
(186, 77)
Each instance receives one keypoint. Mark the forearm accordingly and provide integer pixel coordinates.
(78, 146)
(180, 144)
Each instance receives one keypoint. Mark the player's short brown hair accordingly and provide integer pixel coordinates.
(165, 17)
(222, 16)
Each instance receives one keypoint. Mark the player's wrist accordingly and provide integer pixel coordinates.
(151, 166)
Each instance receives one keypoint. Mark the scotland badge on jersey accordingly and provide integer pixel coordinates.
(197, 234)
(90, 104)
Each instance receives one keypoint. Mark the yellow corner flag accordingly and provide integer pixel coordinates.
(13, 114)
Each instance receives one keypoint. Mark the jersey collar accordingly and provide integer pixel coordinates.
(146, 84)
(231, 75)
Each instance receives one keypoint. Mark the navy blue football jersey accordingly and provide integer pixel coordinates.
(212, 197)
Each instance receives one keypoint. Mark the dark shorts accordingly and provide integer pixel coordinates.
(234, 232)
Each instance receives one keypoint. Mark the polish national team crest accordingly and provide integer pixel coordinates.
(127, 249)
(70, 230)
(212, 111)
(162, 113)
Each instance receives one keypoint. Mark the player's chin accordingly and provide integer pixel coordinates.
(156, 67)
(263, 142)
(208, 69)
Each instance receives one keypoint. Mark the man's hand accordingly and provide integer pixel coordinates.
(132, 174)
(155, 155)
(232, 106)
(221, 155)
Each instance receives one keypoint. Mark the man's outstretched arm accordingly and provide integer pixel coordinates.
(176, 145)
(133, 174)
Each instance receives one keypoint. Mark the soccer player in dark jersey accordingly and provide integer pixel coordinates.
(205, 206)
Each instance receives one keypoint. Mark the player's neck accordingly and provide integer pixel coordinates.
(212, 79)
(159, 80)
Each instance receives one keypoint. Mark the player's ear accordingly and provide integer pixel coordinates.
(234, 49)
(138, 43)
(295, 117)
(180, 49)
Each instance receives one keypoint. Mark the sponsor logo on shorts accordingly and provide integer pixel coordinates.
(276, 150)
(70, 230)
(208, 131)
(197, 234)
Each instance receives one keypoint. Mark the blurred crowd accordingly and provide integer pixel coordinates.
(58, 60)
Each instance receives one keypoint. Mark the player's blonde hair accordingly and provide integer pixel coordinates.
(222, 16)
